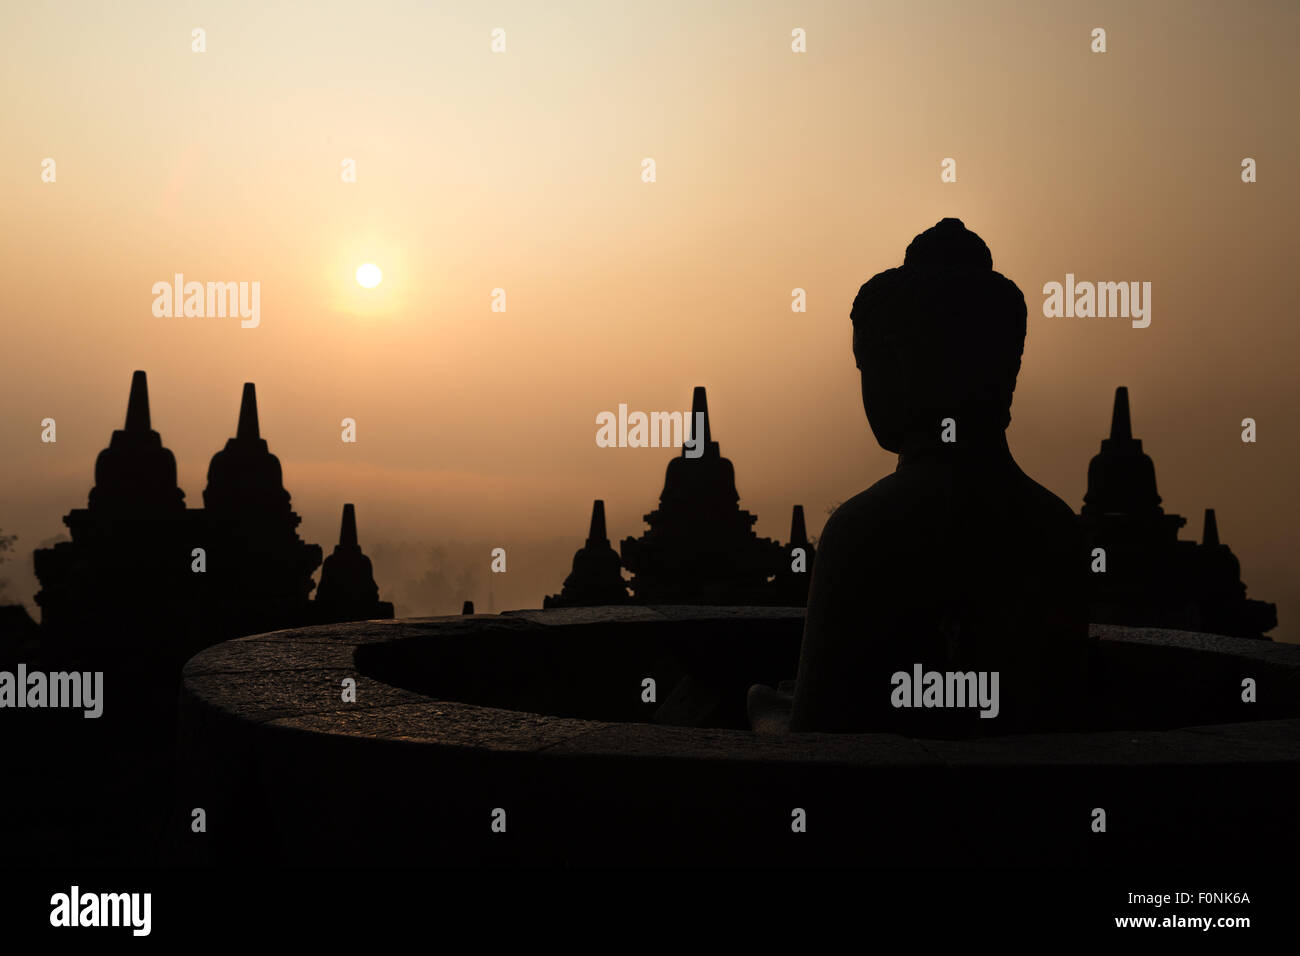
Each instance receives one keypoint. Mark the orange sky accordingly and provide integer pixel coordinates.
(521, 170)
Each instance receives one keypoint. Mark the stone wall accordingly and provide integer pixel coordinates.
(288, 772)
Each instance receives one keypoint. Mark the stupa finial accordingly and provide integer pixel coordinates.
(700, 406)
(348, 529)
(248, 413)
(1210, 535)
(597, 533)
(798, 530)
(1120, 427)
(137, 406)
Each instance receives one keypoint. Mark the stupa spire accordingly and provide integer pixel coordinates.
(248, 413)
(1120, 427)
(699, 406)
(597, 533)
(137, 406)
(798, 530)
(1210, 535)
(348, 527)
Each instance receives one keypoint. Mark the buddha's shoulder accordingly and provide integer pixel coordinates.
(1047, 505)
(872, 510)
(905, 503)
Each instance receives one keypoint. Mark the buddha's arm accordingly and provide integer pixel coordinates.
(833, 624)
(771, 711)
(861, 602)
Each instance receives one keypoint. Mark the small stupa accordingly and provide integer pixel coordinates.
(347, 589)
(1150, 577)
(790, 588)
(1225, 609)
(597, 576)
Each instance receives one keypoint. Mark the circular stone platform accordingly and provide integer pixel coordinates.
(538, 718)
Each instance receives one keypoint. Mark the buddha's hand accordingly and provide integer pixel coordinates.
(768, 709)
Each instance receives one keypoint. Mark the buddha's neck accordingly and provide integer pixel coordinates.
(972, 445)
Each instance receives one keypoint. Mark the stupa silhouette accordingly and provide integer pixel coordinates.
(701, 547)
(347, 589)
(1152, 578)
(597, 576)
(169, 580)
(790, 587)
(128, 560)
(259, 570)
(135, 474)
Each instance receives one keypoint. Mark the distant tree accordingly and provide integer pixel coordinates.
(815, 539)
(6, 544)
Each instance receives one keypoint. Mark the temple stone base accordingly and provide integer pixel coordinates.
(541, 714)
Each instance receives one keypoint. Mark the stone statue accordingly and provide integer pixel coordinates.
(957, 564)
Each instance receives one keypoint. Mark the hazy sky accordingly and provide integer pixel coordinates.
(522, 170)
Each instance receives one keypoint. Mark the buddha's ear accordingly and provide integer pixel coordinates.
(884, 400)
(912, 376)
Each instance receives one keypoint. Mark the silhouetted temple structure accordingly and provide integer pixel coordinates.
(347, 589)
(129, 558)
(790, 588)
(19, 635)
(597, 575)
(701, 547)
(144, 565)
(259, 571)
(1151, 578)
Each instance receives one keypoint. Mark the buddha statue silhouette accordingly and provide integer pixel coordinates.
(957, 561)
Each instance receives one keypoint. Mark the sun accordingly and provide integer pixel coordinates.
(369, 275)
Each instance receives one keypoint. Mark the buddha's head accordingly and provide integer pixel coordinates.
(940, 336)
